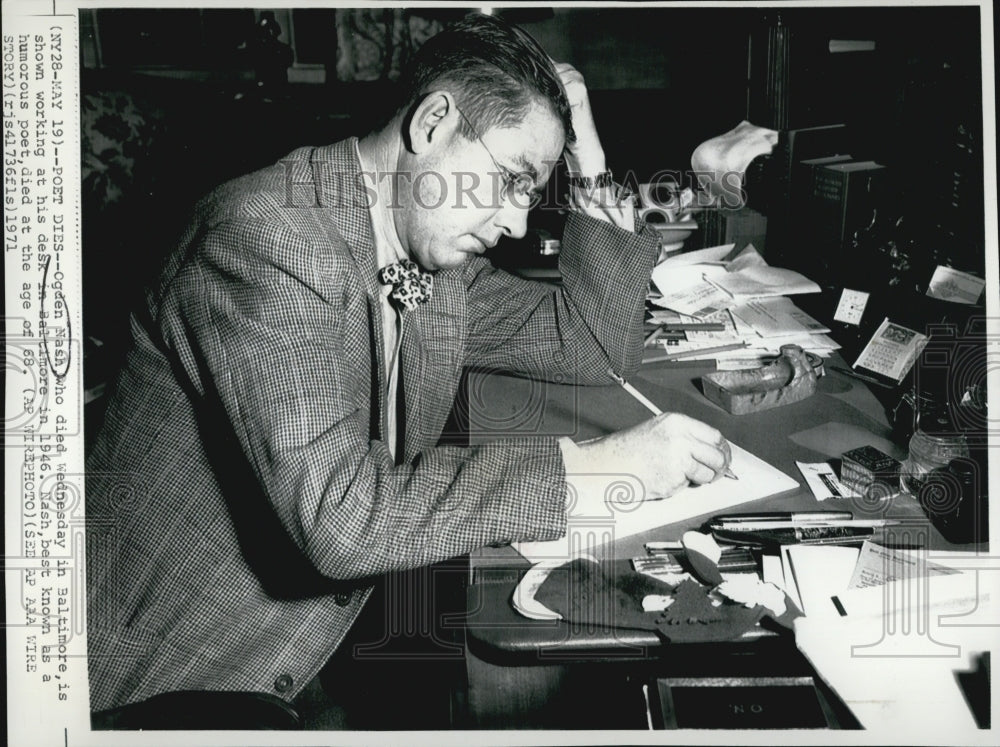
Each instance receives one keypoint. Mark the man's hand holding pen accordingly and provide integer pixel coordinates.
(665, 453)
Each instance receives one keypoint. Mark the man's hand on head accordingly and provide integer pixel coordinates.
(585, 157)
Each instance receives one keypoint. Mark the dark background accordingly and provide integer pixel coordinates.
(171, 108)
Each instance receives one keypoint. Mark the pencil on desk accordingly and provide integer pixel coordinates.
(691, 327)
(691, 353)
(695, 327)
(641, 399)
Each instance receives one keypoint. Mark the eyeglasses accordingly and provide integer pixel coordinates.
(520, 184)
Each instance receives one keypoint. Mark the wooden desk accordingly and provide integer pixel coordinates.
(523, 673)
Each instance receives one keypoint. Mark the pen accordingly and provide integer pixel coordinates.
(766, 526)
(641, 399)
(817, 535)
(782, 516)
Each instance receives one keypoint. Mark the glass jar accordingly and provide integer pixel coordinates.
(934, 444)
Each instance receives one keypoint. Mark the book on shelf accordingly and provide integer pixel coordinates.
(846, 194)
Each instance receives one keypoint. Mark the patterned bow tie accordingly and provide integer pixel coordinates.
(410, 286)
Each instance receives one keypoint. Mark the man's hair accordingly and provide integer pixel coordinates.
(495, 71)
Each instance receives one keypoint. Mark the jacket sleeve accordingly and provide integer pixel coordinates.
(258, 321)
(575, 332)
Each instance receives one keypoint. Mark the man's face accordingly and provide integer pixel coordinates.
(455, 207)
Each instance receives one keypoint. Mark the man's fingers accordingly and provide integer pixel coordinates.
(697, 429)
(698, 473)
(710, 456)
(727, 452)
(563, 68)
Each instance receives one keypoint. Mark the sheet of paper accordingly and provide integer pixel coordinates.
(770, 571)
(695, 339)
(710, 254)
(685, 289)
(817, 343)
(958, 593)
(759, 348)
(749, 276)
(821, 572)
(891, 351)
(757, 479)
(790, 586)
(743, 329)
(878, 565)
(823, 482)
(777, 317)
(955, 285)
(700, 299)
(721, 337)
(851, 307)
(899, 679)
(691, 351)
(666, 316)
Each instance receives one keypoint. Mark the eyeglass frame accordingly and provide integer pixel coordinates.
(510, 177)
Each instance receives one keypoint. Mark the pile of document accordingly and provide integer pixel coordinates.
(896, 633)
(735, 311)
(833, 581)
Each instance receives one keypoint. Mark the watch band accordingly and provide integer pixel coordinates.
(591, 182)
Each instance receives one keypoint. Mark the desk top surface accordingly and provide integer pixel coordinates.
(842, 415)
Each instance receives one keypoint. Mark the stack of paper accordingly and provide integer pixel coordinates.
(833, 581)
(748, 297)
(905, 632)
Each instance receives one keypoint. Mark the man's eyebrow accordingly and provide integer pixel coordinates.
(527, 166)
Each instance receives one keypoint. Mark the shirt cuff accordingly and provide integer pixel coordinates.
(576, 465)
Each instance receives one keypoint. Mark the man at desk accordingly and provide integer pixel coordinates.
(270, 445)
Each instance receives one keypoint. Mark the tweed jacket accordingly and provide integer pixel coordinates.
(240, 498)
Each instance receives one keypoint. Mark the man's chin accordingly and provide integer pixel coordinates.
(454, 260)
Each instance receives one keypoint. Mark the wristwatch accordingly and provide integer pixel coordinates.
(591, 182)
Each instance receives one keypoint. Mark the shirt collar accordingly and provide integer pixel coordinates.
(388, 248)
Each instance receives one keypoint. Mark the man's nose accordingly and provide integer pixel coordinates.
(513, 217)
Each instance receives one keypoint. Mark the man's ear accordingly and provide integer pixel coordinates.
(431, 121)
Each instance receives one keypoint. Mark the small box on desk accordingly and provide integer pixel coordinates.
(861, 467)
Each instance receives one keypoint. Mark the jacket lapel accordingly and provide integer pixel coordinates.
(336, 171)
(433, 334)
(431, 362)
